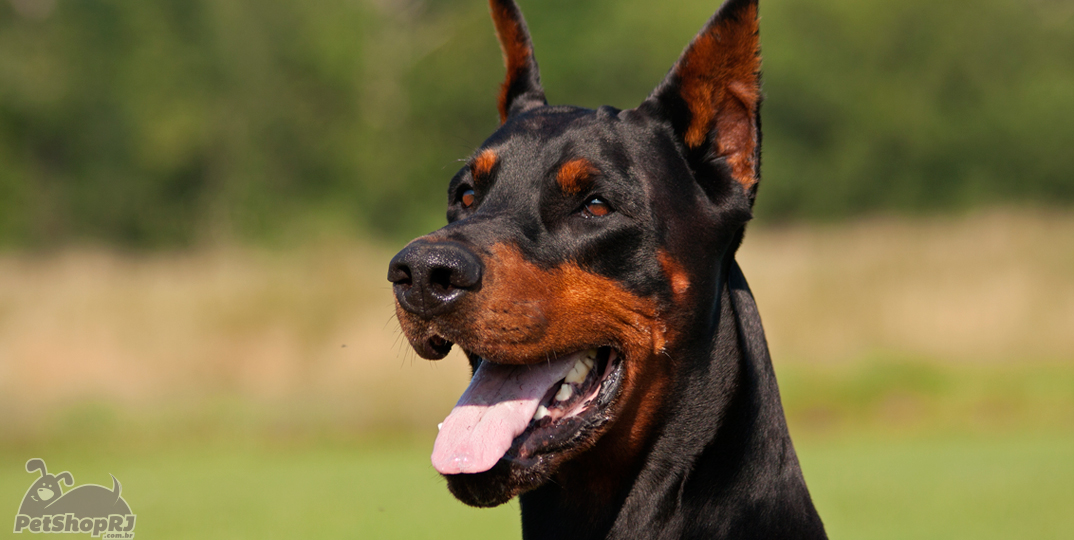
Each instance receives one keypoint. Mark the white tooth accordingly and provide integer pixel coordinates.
(542, 412)
(591, 354)
(439, 426)
(577, 373)
(564, 393)
(572, 377)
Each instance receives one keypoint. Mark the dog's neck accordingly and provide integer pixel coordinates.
(735, 473)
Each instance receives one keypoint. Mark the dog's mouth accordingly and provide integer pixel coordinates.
(435, 348)
(522, 413)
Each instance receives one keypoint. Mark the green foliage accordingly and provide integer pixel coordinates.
(172, 122)
(917, 105)
(167, 121)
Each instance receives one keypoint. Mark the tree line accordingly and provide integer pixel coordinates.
(178, 122)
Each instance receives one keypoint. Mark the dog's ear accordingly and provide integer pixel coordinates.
(712, 95)
(521, 89)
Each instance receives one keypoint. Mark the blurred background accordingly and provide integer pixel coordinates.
(198, 200)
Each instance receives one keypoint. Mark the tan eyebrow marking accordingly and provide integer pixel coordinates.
(481, 167)
(576, 175)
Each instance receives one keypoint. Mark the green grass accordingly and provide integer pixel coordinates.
(944, 486)
(937, 485)
(247, 490)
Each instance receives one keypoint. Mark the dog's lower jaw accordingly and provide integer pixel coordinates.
(493, 487)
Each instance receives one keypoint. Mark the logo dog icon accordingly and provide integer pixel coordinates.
(87, 508)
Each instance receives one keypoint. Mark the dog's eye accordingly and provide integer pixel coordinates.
(467, 197)
(597, 207)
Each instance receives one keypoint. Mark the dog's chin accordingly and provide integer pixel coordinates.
(500, 484)
(557, 436)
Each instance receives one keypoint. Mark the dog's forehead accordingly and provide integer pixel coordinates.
(531, 148)
(549, 134)
(556, 121)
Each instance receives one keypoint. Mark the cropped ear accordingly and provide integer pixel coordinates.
(712, 95)
(521, 89)
(66, 478)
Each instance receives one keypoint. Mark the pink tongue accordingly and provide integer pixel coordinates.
(494, 409)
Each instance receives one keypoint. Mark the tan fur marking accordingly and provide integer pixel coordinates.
(719, 82)
(525, 312)
(482, 165)
(530, 311)
(675, 273)
(576, 175)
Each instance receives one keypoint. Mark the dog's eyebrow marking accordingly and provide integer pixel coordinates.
(576, 175)
(482, 165)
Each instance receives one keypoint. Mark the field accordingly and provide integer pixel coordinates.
(928, 487)
(927, 369)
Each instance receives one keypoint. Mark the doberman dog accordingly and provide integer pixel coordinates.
(621, 384)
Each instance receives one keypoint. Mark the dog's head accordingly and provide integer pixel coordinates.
(581, 247)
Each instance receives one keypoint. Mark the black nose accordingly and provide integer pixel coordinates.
(432, 277)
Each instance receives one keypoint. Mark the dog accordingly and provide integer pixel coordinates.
(622, 385)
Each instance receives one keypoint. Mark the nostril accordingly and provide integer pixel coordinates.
(399, 273)
(441, 279)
